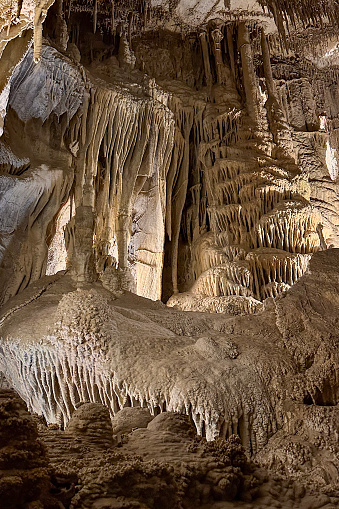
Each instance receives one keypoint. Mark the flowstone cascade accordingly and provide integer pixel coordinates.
(250, 226)
(93, 353)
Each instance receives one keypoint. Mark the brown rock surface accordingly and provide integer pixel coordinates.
(165, 466)
(91, 423)
(24, 472)
(127, 419)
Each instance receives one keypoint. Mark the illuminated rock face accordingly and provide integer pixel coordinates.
(232, 198)
(198, 170)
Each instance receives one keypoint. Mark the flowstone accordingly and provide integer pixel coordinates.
(91, 346)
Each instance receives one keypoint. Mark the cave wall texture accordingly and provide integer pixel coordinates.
(169, 234)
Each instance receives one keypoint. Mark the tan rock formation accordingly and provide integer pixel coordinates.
(24, 474)
(88, 347)
(164, 465)
(186, 152)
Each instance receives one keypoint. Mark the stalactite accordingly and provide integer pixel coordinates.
(95, 15)
(61, 393)
(217, 37)
(243, 218)
(206, 58)
(274, 269)
(70, 2)
(271, 88)
(146, 7)
(40, 13)
(230, 44)
(305, 11)
(130, 24)
(232, 278)
(37, 34)
(179, 170)
(249, 204)
(135, 138)
(113, 18)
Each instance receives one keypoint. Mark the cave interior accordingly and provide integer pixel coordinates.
(169, 234)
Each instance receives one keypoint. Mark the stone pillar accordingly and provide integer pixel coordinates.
(249, 75)
(271, 88)
(61, 32)
(123, 234)
(83, 261)
(278, 123)
(206, 58)
(217, 38)
(126, 56)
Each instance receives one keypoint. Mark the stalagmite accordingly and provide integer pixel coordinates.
(83, 255)
(123, 228)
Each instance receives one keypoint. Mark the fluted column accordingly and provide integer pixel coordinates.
(249, 75)
(206, 58)
(217, 38)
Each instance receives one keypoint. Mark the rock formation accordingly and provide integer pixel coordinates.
(162, 464)
(24, 469)
(168, 233)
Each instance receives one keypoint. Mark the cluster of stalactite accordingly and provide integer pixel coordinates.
(274, 270)
(305, 12)
(215, 164)
(124, 144)
(110, 14)
(54, 380)
(76, 363)
(119, 147)
(219, 177)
